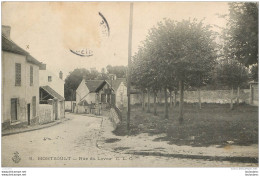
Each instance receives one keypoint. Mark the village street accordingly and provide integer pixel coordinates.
(73, 143)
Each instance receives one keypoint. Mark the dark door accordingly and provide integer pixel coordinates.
(13, 109)
(34, 106)
(28, 113)
(103, 98)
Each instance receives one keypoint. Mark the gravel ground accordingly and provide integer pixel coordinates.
(79, 142)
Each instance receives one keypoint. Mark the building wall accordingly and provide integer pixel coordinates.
(81, 91)
(121, 95)
(56, 84)
(32, 90)
(91, 98)
(45, 113)
(24, 93)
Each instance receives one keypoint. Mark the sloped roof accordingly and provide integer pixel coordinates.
(96, 85)
(10, 46)
(115, 83)
(52, 92)
(93, 85)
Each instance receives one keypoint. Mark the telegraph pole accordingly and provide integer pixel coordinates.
(129, 66)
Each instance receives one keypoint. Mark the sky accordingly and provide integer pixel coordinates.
(53, 29)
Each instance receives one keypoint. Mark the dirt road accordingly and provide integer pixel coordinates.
(74, 144)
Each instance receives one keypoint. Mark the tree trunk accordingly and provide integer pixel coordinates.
(238, 94)
(155, 104)
(175, 98)
(181, 101)
(199, 98)
(148, 105)
(166, 114)
(231, 99)
(171, 103)
(159, 97)
(143, 101)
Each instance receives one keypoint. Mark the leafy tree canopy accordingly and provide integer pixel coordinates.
(241, 35)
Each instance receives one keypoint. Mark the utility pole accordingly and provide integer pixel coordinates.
(71, 97)
(129, 66)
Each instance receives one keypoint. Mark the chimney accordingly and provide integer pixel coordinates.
(61, 75)
(6, 30)
(42, 66)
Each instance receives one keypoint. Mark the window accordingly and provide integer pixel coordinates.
(34, 105)
(49, 78)
(31, 75)
(18, 74)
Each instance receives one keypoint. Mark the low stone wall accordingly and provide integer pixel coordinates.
(45, 113)
(207, 96)
(216, 96)
(114, 116)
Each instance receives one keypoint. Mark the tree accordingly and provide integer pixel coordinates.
(103, 75)
(254, 72)
(241, 35)
(182, 49)
(142, 74)
(231, 73)
(119, 71)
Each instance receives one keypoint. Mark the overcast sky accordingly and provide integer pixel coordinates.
(51, 29)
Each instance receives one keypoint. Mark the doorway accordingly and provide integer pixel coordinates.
(14, 109)
(28, 113)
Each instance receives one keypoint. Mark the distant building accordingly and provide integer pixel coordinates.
(102, 91)
(20, 83)
(52, 88)
(120, 90)
(88, 91)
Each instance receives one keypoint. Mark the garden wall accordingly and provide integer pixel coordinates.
(216, 96)
(207, 96)
(45, 113)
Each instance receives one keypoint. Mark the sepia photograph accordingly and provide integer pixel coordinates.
(130, 84)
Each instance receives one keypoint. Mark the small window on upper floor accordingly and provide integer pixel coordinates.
(18, 75)
(49, 78)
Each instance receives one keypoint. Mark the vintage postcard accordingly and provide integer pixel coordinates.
(130, 84)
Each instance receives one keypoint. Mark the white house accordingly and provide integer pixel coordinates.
(20, 84)
(120, 90)
(47, 78)
(52, 87)
(99, 91)
(87, 90)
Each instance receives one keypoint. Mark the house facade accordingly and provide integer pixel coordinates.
(102, 92)
(88, 91)
(20, 84)
(47, 78)
(52, 92)
(120, 90)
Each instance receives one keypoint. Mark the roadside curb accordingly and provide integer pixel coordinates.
(203, 157)
(36, 128)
